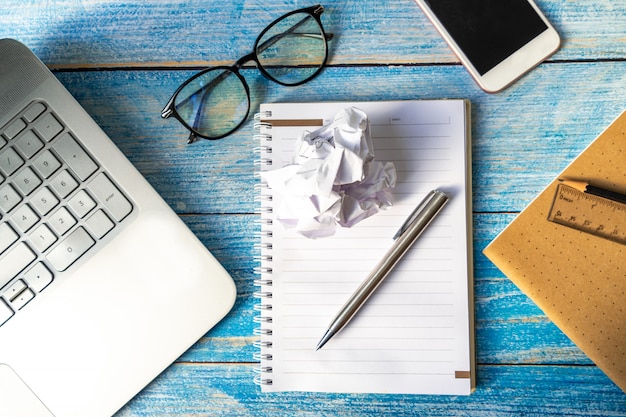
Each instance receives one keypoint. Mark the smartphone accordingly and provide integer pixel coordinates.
(498, 41)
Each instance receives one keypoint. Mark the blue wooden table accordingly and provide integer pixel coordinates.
(123, 59)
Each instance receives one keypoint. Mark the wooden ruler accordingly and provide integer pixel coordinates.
(588, 213)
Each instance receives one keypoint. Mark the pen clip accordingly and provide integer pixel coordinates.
(413, 215)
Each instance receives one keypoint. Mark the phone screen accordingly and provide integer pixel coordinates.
(488, 31)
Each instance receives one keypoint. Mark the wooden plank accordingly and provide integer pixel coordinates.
(522, 138)
(227, 390)
(96, 34)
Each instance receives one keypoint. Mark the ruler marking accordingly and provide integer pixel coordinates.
(589, 213)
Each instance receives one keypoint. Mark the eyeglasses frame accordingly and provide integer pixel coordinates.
(170, 109)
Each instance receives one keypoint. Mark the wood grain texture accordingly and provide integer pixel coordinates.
(521, 138)
(105, 33)
(122, 60)
(226, 390)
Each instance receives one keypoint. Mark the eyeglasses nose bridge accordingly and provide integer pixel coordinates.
(245, 59)
(251, 57)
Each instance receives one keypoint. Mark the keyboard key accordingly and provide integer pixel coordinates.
(27, 181)
(10, 161)
(29, 144)
(34, 111)
(82, 203)
(63, 184)
(61, 221)
(14, 289)
(7, 236)
(44, 201)
(99, 224)
(9, 198)
(22, 299)
(46, 164)
(110, 197)
(25, 218)
(42, 237)
(70, 249)
(74, 155)
(38, 277)
(5, 312)
(56, 203)
(14, 261)
(14, 128)
(48, 127)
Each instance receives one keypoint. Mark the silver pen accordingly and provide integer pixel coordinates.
(412, 228)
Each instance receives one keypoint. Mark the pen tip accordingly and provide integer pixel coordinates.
(327, 336)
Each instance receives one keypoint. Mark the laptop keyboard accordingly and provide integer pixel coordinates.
(56, 204)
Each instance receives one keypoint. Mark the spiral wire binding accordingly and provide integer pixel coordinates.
(263, 269)
(258, 116)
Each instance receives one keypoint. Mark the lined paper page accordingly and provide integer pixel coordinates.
(414, 334)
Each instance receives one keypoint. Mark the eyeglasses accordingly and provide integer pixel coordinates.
(215, 102)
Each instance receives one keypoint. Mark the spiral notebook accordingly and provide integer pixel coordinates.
(415, 334)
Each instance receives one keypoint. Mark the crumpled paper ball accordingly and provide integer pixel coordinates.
(333, 178)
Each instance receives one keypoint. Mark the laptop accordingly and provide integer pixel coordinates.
(102, 286)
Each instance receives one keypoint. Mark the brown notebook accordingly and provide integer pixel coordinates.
(576, 278)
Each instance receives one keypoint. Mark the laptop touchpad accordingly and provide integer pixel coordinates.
(17, 399)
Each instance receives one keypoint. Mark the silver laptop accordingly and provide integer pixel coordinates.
(102, 286)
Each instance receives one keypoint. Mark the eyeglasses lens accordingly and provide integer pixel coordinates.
(214, 103)
(293, 49)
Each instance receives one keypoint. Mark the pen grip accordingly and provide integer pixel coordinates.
(425, 213)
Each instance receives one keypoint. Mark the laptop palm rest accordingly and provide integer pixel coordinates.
(17, 399)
